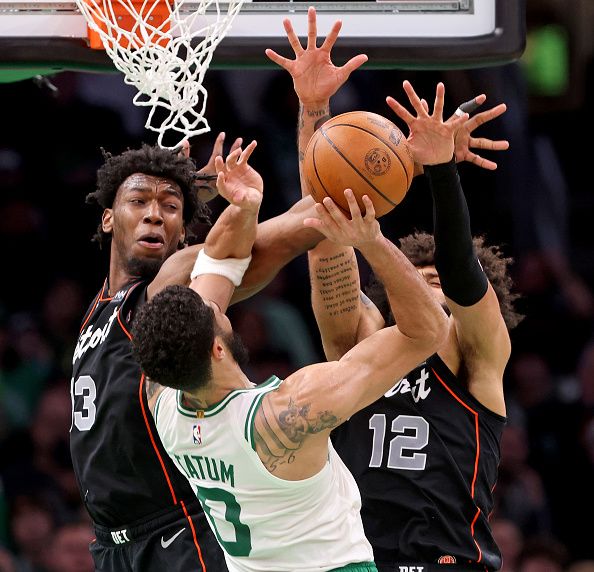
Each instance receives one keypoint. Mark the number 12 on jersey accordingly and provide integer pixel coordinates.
(412, 435)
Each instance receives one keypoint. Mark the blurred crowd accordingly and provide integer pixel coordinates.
(535, 205)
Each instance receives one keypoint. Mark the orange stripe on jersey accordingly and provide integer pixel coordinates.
(477, 455)
(97, 300)
(106, 298)
(119, 312)
(150, 433)
(480, 552)
(124, 327)
(196, 544)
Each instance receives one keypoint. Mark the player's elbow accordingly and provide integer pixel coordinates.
(439, 328)
(434, 331)
(336, 346)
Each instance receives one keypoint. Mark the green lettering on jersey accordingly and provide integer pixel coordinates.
(190, 469)
(227, 473)
(242, 545)
(214, 475)
(217, 470)
(198, 459)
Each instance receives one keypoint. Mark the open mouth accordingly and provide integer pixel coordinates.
(151, 241)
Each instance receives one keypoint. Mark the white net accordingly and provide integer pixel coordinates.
(164, 53)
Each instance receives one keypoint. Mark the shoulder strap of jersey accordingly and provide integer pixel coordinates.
(100, 297)
(271, 384)
(442, 370)
(454, 385)
(134, 297)
(167, 395)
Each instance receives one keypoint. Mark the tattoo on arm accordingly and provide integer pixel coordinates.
(152, 387)
(281, 431)
(319, 115)
(338, 288)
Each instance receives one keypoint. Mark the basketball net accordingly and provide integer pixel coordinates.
(151, 43)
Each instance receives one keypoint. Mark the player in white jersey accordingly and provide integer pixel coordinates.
(259, 458)
(250, 509)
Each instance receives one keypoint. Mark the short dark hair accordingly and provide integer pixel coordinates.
(149, 160)
(172, 337)
(419, 248)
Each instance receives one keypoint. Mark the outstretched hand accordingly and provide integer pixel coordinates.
(463, 140)
(337, 227)
(430, 139)
(237, 181)
(315, 77)
(208, 189)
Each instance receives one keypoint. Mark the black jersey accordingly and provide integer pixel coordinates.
(123, 472)
(425, 457)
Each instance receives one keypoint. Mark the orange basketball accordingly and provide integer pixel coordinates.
(361, 151)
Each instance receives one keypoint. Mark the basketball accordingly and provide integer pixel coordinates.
(361, 151)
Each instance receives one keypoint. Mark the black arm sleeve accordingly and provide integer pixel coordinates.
(460, 273)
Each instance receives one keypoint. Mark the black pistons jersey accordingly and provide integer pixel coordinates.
(425, 457)
(123, 472)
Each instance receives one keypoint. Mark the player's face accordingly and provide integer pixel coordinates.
(232, 339)
(223, 322)
(146, 222)
(432, 278)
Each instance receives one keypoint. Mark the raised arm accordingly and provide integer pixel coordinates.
(219, 266)
(336, 297)
(478, 327)
(315, 78)
(293, 422)
(233, 234)
(465, 142)
(344, 315)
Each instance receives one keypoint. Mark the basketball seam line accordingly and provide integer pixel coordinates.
(386, 143)
(323, 131)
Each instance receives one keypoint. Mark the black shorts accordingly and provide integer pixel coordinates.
(422, 567)
(179, 541)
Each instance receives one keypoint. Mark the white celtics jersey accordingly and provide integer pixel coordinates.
(263, 523)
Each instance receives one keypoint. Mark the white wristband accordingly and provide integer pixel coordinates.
(231, 268)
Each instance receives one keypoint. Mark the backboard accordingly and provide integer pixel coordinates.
(47, 36)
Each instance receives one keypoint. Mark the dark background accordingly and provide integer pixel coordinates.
(538, 206)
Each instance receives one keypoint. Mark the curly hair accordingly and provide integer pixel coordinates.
(172, 336)
(149, 160)
(419, 248)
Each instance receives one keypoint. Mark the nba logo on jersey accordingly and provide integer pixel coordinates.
(119, 296)
(197, 435)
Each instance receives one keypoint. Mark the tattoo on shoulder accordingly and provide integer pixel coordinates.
(280, 432)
